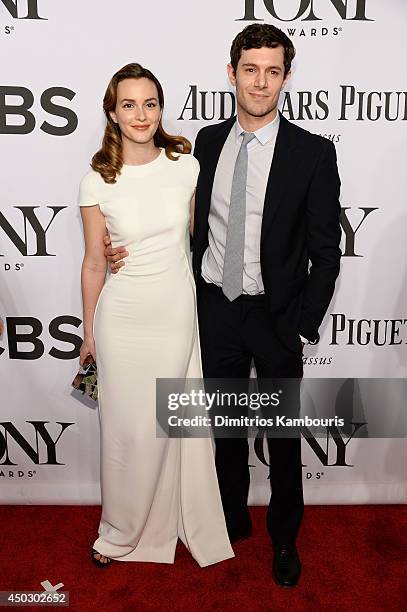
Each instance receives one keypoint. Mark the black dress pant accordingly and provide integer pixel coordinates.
(232, 334)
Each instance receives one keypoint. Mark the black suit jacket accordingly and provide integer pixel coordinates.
(300, 233)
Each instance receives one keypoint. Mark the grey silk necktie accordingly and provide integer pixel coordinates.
(232, 281)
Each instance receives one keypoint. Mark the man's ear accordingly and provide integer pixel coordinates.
(113, 116)
(231, 74)
(286, 79)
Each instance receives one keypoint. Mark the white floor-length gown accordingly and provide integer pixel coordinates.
(154, 490)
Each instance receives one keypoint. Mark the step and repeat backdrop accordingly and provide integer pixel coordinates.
(348, 84)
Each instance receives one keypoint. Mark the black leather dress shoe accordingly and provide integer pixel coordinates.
(286, 565)
(236, 535)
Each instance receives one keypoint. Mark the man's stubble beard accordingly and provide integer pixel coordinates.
(252, 113)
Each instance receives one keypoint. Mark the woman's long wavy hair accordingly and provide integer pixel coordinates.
(108, 161)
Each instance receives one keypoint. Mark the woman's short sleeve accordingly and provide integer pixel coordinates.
(88, 191)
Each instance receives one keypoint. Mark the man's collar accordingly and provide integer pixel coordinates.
(263, 134)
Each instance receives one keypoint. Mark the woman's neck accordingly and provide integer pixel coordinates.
(135, 154)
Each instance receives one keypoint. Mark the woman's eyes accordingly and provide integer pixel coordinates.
(130, 105)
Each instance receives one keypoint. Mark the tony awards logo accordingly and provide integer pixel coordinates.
(305, 10)
(40, 447)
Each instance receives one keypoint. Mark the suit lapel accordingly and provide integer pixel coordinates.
(285, 159)
(213, 150)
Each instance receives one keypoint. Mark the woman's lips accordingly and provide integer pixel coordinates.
(140, 127)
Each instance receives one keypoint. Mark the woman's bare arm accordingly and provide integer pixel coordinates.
(94, 264)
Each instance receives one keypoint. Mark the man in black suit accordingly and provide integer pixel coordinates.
(291, 220)
(266, 206)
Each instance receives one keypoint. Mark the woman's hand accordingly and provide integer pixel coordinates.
(87, 348)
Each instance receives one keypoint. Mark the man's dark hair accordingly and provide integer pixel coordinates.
(259, 35)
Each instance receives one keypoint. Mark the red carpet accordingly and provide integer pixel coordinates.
(354, 558)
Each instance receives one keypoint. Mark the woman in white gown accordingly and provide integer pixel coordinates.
(140, 325)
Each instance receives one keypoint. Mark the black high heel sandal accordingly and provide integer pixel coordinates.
(98, 562)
